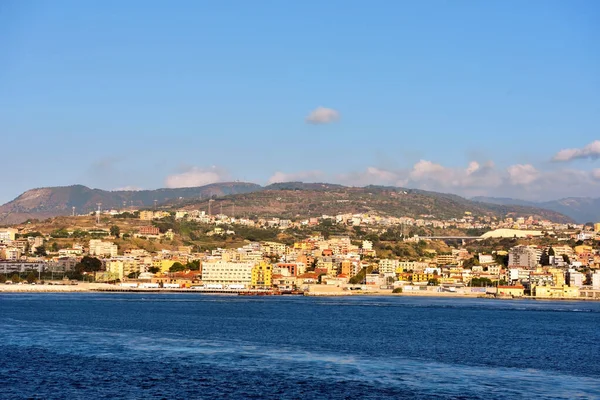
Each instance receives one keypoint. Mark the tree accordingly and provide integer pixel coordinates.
(470, 262)
(40, 251)
(433, 282)
(2, 278)
(566, 259)
(54, 247)
(176, 267)
(31, 277)
(115, 231)
(60, 233)
(319, 279)
(88, 264)
(193, 265)
(153, 270)
(544, 258)
(551, 251)
(15, 278)
(133, 275)
(480, 282)
(502, 259)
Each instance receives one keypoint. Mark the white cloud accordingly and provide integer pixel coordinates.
(522, 181)
(591, 151)
(473, 167)
(427, 170)
(428, 175)
(522, 174)
(196, 176)
(127, 189)
(322, 115)
(295, 176)
(381, 175)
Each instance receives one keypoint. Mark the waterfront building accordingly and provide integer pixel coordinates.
(262, 274)
(514, 291)
(225, 273)
(387, 266)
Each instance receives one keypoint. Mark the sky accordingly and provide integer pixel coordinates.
(477, 98)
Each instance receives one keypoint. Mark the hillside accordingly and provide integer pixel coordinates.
(293, 200)
(580, 209)
(55, 201)
(290, 200)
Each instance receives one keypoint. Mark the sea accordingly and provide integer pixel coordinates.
(198, 346)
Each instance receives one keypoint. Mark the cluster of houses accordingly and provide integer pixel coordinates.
(468, 221)
(335, 262)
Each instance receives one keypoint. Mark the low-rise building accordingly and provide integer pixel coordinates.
(514, 291)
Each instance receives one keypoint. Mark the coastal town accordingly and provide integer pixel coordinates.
(194, 250)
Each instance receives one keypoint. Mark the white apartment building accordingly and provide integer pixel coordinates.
(524, 256)
(225, 273)
(518, 274)
(596, 280)
(12, 253)
(7, 267)
(8, 234)
(575, 279)
(388, 266)
(486, 259)
(102, 249)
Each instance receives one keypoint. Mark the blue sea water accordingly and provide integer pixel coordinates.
(186, 346)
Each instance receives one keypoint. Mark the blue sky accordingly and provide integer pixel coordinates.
(468, 97)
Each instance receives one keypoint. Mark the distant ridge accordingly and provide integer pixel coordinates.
(297, 199)
(580, 209)
(54, 201)
(286, 199)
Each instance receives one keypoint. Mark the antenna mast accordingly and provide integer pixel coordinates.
(98, 213)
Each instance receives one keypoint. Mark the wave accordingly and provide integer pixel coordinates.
(422, 376)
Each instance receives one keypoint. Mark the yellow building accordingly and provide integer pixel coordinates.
(423, 277)
(556, 291)
(558, 276)
(146, 215)
(163, 265)
(331, 271)
(262, 275)
(597, 227)
(303, 245)
(347, 268)
(445, 259)
(122, 268)
(584, 248)
(274, 248)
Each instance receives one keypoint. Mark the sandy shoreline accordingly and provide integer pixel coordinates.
(106, 288)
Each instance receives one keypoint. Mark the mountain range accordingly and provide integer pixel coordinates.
(580, 209)
(288, 199)
(48, 202)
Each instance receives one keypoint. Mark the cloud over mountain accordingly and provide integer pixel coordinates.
(295, 176)
(196, 176)
(591, 151)
(518, 180)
